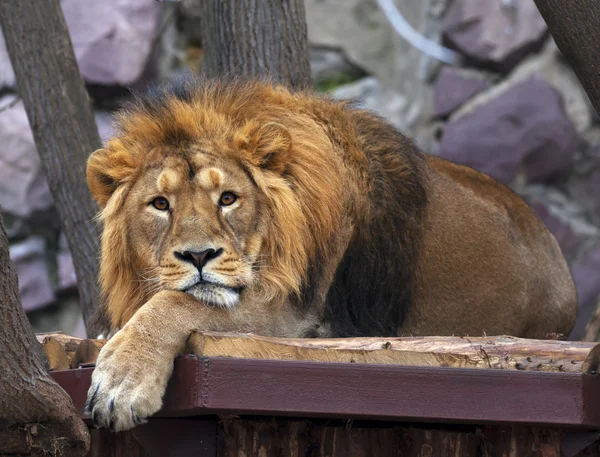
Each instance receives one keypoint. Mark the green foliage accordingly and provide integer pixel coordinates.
(327, 85)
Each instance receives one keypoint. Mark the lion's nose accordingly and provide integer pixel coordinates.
(199, 258)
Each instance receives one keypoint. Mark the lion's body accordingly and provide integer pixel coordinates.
(340, 227)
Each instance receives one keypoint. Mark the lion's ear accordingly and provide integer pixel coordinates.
(106, 171)
(268, 146)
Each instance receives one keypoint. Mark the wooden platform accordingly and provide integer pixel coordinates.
(239, 394)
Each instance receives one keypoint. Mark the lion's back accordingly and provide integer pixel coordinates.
(488, 263)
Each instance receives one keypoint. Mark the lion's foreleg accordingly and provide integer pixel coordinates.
(134, 366)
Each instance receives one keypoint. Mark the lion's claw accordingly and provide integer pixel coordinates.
(124, 390)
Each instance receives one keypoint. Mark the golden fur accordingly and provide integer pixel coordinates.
(341, 227)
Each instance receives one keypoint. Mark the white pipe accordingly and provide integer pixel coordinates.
(406, 31)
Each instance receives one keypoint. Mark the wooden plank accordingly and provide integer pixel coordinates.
(179, 437)
(105, 443)
(520, 441)
(293, 438)
(201, 386)
(501, 352)
(270, 437)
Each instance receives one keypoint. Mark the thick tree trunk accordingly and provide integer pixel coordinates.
(63, 125)
(256, 38)
(37, 417)
(575, 26)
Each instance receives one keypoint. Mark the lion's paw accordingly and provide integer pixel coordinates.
(126, 387)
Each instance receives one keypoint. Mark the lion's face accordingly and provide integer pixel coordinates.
(199, 223)
(222, 194)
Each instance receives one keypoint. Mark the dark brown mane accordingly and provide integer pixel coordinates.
(373, 286)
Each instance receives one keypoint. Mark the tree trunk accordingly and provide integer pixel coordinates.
(575, 26)
(592, 329)
(256, 38)
(63, 125)
(37, 416)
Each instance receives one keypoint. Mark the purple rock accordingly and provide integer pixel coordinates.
(34, 283)
(524, 126)
(564, 234)
(453, 88)
(79, 330)
(112, 38)
(104, 124)
(66, 271)
(587, 279)
(494, 31)
(23, 187)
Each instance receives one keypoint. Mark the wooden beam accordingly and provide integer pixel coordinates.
(501, 352)
(228, 386)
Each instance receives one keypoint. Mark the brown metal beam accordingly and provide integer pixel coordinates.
(201, 385)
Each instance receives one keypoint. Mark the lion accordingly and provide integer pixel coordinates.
(238, 205)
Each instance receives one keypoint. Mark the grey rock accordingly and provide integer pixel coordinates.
(525, 126)
(112, 39)
(454, 87)
(494, 31)
(331, 65)
(188, 18)
(35, 288)
(587, 280)
(361, 30)
(357, 27)
(23, 187)
(372, 94)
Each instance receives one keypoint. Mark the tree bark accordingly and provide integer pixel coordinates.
(256, 38)
(63, 125)
(575, 26)
(592, 329)
(37, 416)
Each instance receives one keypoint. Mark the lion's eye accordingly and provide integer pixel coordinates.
(227, 198)
(161, 203)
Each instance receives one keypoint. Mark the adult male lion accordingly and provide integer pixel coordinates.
(239, 206)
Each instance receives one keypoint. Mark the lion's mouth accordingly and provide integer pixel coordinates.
(210, 285)
(215, 294)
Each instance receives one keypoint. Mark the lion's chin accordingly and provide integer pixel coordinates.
(214, 294)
